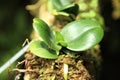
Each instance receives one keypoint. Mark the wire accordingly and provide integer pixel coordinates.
(13, 59)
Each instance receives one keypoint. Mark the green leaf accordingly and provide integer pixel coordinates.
(58, 37)
(65, 7)
(71, 9)
(83, 34)
(60, 40)
(45, 33)
(39, 48)
(59, 4)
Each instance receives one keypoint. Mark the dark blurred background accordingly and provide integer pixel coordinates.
(16, 26)
(111, 43)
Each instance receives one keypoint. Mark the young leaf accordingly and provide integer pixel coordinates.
(65, 7)
(59, 4)
(60, 40)
(45, 33)
(71, 9)
(39, 48)
(81, 35)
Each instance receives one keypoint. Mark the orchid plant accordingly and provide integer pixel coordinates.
(79, 35)
(76, 36)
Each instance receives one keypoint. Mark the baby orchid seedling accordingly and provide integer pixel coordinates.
(79, 35)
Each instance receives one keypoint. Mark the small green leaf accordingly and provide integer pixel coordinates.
(81, 35)
(45, 33)
(60, 39)
(39, 48)
(71, 9)
(65, 6)
(59, 4)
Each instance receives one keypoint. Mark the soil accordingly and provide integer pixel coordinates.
(81, 67)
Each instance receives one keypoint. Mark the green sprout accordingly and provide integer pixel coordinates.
(79, 35)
